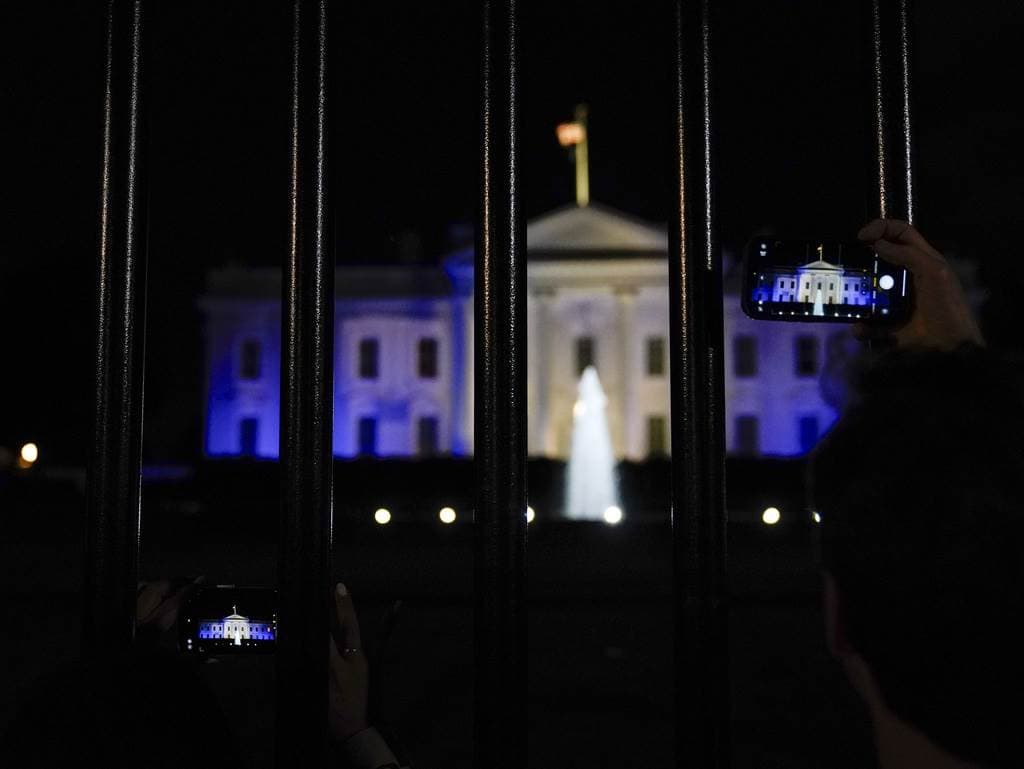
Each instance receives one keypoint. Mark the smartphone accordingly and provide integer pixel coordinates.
(819, 281)
(225, 619)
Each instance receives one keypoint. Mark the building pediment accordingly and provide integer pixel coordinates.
(593, 228)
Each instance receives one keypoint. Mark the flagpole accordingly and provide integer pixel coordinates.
(582, 159)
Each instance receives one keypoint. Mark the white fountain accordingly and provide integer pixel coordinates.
(591, 492)
(819, 307)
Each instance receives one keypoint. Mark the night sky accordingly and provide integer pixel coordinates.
(793, 152)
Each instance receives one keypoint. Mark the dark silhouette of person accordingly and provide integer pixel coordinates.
(920, 490)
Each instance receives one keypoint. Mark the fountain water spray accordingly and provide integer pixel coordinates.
(591, 490)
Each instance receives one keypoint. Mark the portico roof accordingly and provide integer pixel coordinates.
(593, 229)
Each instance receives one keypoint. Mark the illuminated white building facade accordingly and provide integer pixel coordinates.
(821, 282)
(597, 284)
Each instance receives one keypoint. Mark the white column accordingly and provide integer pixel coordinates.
(540, 421)
(625, 407)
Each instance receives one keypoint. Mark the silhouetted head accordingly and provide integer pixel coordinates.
(920, 487)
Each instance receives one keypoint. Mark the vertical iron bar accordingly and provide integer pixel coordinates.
(697, 402)
(891, 75)
(306, 409)
(500, 404)
(113, 501)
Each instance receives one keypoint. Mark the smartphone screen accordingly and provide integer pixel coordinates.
(815, 281)
(225, 619)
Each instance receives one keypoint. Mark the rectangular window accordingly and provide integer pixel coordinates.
(368, 353)
(427, 358)
(748, 438)
(248, 434)
(427, 436)
(656, 356)
(657, 438)
(744, 350)
(806, 350)
(252, 352)
(367, 436)
(584, 353)
(808, 433)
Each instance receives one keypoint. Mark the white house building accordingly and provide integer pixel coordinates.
(597, 284)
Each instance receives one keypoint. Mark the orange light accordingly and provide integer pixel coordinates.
(570, 134)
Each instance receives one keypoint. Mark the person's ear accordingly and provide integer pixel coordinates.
(835, 628)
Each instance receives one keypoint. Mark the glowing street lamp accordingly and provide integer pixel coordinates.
(612, 514)
(447, 515)
(530, 514)
(28, 455)
(771, 516)
(382, 516)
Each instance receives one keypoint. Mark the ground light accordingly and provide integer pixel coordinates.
(447, 515)
(612, 514)
(771, 516)
(382, 516)
(530, 515)
(29, 454)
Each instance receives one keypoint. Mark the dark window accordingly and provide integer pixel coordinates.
(252, 351)
(249, 430)
(426, 436)
(368, 354)
(748, 439)
(744, 350)
(806, 356)
(808, 433)
(657, 440)
(584, 353)
(428, 358)
(367, 436)
(656, 356)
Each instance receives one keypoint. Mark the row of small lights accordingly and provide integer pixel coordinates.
(772, 516)
(612, 515)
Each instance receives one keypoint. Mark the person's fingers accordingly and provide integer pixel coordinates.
(347, 622)
(167, 612)
(334, 656)
(895, 231)
(150, 597)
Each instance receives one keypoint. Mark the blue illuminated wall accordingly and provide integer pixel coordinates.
(243, 400)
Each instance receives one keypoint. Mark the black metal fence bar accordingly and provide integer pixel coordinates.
(697, 403)
(500, 403)
(306, 408)
(113, 499)
(891, 74)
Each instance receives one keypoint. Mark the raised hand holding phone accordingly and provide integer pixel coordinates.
(941, 317)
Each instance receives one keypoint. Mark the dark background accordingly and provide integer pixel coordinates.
(792, 149)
